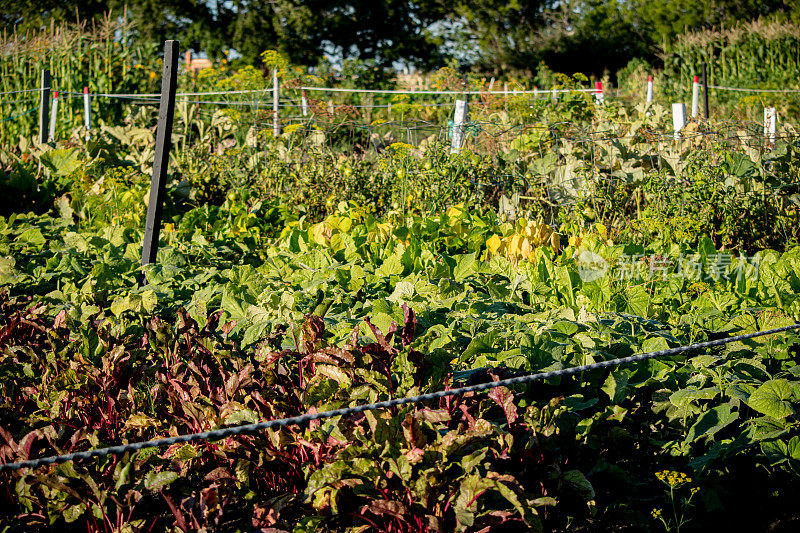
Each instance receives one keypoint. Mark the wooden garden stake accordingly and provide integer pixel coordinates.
(704, 79)
(166, 112)
(44, 108)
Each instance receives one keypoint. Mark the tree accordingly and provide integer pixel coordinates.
(569, 35)
(665, 19)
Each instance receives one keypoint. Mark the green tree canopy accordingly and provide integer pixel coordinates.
(487, 35)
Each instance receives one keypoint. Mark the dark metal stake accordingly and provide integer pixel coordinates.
(704, 81)
(166, 112)
(44, 108)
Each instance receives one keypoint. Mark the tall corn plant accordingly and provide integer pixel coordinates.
(100, 55)
(759, 54)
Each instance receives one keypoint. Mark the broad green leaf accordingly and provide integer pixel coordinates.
(465, 265)
(684, 397)
(655, 344)
(403, 291)
(33, 236)
(185, 453)
(155, 481)
(564, 283)
(480, 345)
(711, 422)
(577, 482)
(241, 416)
(771, 398)
(335, 373)
(61, 162)
(637, 300)
(775, 450)
(391, 266)
(7, 265)
(149, 300)
(73, 512)
(616, 385)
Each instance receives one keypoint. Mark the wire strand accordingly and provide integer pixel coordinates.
(303, 419)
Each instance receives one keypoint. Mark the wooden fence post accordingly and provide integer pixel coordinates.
(705, 89)
(166, 112)
(44, 107)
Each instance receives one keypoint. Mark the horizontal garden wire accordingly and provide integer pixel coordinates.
(303, 419)
(745, 90)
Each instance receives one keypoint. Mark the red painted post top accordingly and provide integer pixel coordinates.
(697, 79)
(598, 86)
(650, 78)
(55, 95)
(85, 90)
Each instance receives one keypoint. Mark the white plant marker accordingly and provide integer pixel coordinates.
(304, 103)
(649, 97)
(87, 112)
(695, 96)
(462, 109)
(54, 116)
(678, 118)
(599, 97)
(770, 124)
(276, 127)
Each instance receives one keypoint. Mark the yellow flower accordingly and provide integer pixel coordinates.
(673, 478)
(656, 513)
(291, 128)
(400, 147)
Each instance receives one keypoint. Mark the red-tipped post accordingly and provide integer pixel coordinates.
(87, 111)
(53, 116)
